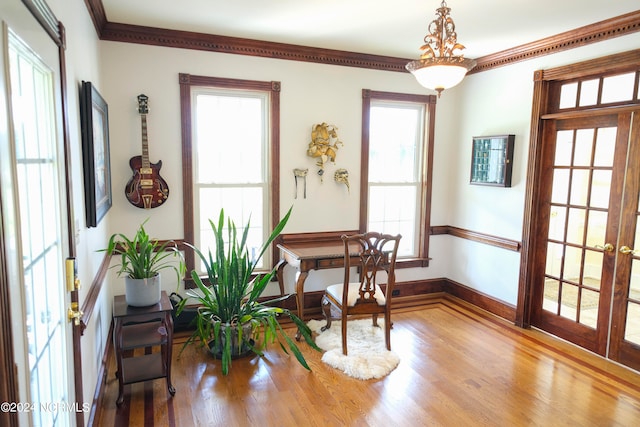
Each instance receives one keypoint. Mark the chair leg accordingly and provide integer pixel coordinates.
(326, 310)
(375, 319)
(344, 334)
(387, 331)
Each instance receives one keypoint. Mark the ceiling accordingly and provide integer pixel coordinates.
(394, 28)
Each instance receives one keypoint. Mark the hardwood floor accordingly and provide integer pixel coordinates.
(459, 366)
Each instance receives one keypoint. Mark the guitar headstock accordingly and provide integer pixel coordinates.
(143, 104)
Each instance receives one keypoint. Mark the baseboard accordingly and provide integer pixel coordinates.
(472, 296)
(421, 292)
(98, 396)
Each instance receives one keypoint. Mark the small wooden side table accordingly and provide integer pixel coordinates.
(141, 327)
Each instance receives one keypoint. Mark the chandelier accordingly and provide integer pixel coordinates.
(438, 67)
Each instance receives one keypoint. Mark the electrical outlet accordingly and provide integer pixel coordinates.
(395, 292)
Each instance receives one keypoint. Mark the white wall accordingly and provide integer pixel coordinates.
(83, 63)
(310, 94)
(493, 103)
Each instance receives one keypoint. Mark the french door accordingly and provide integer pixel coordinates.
(589, 289)
(34, 223)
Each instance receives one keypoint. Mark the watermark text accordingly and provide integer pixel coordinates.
(53, 407)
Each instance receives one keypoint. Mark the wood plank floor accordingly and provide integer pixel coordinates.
(459, 366)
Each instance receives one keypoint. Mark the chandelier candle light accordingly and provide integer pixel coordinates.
(439, 68)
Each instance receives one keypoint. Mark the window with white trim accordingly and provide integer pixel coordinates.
(229, 151)
(397, 158)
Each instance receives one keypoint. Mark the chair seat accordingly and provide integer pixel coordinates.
(336, 292)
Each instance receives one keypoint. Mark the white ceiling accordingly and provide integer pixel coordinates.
(384, 27)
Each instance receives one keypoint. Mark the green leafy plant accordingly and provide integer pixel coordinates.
(142, 257)
(230, 298)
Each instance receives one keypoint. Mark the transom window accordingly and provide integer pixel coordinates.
(600, 90)
(230, 153)
(397, 158)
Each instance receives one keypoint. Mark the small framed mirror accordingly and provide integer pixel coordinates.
(491, 160)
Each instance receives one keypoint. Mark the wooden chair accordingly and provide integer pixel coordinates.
(372, 253)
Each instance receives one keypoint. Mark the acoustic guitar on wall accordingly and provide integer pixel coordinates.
(146, 189)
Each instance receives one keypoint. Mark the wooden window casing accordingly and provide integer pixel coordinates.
(187, 81)
(429, 101)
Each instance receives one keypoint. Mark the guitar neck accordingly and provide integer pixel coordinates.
(145, 144)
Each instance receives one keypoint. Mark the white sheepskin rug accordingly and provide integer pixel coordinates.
(367, 357)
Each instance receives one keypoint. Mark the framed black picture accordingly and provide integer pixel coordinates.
(492, 160)
(94, 119)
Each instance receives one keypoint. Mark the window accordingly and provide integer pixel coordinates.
(595, 91)
(230, 158)
(397, 155)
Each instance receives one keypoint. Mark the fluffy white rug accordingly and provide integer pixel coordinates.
(367, 356)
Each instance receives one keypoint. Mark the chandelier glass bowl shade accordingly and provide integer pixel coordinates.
(440, 66)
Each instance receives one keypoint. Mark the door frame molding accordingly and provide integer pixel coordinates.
(8, 387)
(543, 96)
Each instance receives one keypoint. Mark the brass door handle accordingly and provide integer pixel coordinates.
(627, 250)
(74, 314)
(608, 247)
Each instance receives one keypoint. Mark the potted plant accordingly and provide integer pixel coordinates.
(231, 320)
(141, 260)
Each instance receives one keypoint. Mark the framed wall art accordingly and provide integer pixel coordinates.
(492, 160)
(94, 119)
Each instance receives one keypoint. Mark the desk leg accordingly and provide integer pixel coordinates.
(280, 274)
(301, 277)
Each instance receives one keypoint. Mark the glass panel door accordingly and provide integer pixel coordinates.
(581, 230)
(625, 318)
(36, 169)
(590, 288)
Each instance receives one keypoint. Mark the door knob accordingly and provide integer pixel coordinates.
(74, 313)
(627, 250)
(608, 247)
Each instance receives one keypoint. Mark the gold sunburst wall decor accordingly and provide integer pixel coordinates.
(324, 145)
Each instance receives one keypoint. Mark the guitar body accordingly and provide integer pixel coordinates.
(146, 189)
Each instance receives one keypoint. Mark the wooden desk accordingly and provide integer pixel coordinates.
(307, 256)
(142, 327)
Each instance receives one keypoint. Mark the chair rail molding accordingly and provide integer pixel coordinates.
(500, 242)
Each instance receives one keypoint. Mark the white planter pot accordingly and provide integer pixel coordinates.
(142, 292)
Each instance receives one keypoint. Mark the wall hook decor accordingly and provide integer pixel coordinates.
(301, 173)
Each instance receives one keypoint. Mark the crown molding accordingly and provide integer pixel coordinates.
(600, 31)
(97, 13)
(126, 33)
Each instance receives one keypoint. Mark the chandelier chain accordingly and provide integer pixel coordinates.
(442, 37)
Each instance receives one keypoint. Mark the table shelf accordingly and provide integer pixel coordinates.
(142, 327)
(143, 368)
(143, 335)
